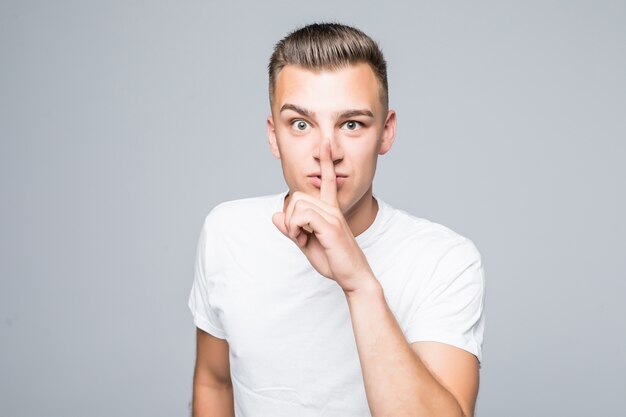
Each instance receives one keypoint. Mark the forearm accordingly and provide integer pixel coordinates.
(397, 383)
(212, 400)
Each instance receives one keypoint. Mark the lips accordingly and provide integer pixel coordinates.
(316, 180)
(318, 175)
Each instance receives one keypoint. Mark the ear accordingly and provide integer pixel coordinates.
(389, 133)
(271, 137)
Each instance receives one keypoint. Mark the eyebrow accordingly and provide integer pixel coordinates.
(341, 115)
(351, 113)
(297, 109)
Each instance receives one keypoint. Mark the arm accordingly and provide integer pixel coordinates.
(212, 386)
(401, 380)
(422, 379)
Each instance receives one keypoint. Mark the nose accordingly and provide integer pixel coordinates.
(336, 150)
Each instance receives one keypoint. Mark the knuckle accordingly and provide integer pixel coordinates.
(301, 205)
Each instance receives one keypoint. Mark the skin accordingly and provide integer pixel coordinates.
(212, 386)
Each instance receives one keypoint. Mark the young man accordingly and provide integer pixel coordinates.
(323, 300)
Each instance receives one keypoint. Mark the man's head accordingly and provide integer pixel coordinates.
(328, 83)
(328, 46)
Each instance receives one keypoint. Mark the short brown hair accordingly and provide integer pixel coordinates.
(328, 46)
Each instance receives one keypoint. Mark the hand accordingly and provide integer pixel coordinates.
(320, 230)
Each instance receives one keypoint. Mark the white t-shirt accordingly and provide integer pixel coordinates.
(292, 347)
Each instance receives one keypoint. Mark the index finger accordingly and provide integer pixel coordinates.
(328, 188)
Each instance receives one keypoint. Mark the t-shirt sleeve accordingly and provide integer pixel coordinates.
(451, 308)
(208, 271)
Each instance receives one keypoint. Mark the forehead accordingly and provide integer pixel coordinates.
(354, 86)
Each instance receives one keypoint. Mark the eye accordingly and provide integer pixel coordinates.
(352, 125)
(300, 125)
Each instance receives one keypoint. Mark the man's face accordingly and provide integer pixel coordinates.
(343, 106)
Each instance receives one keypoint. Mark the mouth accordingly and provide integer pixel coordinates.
(316, 180)
(320, 176)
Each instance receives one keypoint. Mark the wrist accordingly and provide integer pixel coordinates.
(369, 288)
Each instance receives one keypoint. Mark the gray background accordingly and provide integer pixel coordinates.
(123, 123)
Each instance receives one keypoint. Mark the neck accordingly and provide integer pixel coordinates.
(362, 214)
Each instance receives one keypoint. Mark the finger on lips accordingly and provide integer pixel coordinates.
(325, 207)
(328, 187)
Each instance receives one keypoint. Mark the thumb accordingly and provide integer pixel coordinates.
(279, 221)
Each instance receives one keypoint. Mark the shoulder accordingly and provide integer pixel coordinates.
(236, 209)
(412, 234)
(242, 216)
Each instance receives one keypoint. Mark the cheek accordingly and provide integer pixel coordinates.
(288, 146)
(363, 157)
(292, 157)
